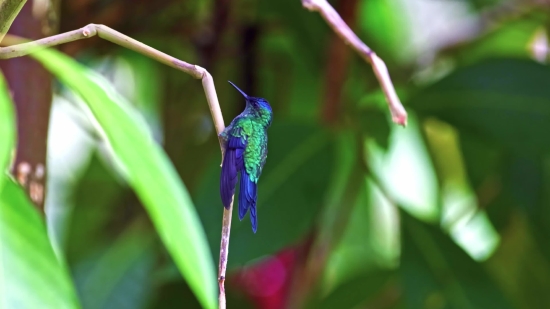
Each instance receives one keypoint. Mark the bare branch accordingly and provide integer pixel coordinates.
(8, 11)
(399, 115)
(103, 32)
(224, 251)
(24, 48)
(211, 97)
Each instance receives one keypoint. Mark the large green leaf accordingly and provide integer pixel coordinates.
(291, 191)
(406, 170)
(149, 172)
(357, 270)
(504, 102)
(9, 9)
(30, 274)
(438, 274)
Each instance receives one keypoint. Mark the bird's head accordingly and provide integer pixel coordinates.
(259, 105)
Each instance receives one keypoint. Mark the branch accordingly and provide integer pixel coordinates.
(104, 32)
(8, 11)
(399, 115)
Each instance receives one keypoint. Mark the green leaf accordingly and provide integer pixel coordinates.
(406, 170)
(30, 274)
(291, 191)
(9, 9)
(505, 103)
(7, 128)
(438, 274)
(149, 172)
(370, 237)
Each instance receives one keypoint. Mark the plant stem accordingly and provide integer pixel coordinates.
(224, 251)
(399, 115)
(104, 32)
(211, 97)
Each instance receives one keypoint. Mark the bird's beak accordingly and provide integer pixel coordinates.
(242, 92)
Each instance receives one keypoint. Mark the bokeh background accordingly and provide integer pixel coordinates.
(452, 211)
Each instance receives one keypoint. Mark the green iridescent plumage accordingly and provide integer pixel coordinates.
(245, 154)
(255, 154)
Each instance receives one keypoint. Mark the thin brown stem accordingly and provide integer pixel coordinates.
(224, 251)
(399, 115)
(104, 32)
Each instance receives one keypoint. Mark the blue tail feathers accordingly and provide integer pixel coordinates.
(247, 199)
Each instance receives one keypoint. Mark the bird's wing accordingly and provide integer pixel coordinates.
(233, 162)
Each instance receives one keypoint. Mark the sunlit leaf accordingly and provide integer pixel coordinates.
(406, 170)
(370, 240)
(149, 172)
(30, 274)
(501, 109)
(460, 211)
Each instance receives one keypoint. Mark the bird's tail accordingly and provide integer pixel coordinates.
(247, 199)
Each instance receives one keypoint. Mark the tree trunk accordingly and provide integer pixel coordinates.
(31, 89)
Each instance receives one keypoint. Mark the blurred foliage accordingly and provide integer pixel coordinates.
(450, 212)
(31, 275)
(146, 168)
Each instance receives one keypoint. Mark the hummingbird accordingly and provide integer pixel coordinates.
(245, 153)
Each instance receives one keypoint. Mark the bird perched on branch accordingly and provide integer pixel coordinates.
(245, 154)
